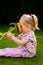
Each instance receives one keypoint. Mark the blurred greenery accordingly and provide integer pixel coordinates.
(5, 43)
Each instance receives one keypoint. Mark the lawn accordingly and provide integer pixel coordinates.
(37, 60)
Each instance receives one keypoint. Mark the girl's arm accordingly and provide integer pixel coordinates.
(19, 36)
(15, 39)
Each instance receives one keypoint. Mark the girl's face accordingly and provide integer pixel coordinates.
(25, 27)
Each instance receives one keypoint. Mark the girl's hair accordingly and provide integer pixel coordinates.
(30, 19)
(35, 20)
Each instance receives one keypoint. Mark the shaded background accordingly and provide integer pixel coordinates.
(10, 11)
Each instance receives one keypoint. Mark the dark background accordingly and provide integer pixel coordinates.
(10, 11)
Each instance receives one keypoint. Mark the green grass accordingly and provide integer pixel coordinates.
(37, 60)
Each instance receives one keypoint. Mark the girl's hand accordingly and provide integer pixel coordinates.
(8, 35)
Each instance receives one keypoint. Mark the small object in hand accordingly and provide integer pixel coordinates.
(1, 34)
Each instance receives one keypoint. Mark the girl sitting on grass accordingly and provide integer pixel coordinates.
(26, 41)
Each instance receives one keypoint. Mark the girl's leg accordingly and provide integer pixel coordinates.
(11, 52)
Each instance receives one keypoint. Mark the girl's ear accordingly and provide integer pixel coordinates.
(19, 27)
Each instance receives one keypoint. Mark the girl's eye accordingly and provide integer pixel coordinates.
(23, 23)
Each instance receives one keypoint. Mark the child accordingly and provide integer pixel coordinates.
(26, 40)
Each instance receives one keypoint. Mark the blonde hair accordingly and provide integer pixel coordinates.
(35, 19)
(25, 18)
(30, 19)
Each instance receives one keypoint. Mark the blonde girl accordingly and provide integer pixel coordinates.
(26, 41)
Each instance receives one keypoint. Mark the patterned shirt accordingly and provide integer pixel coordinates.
(31, 45)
